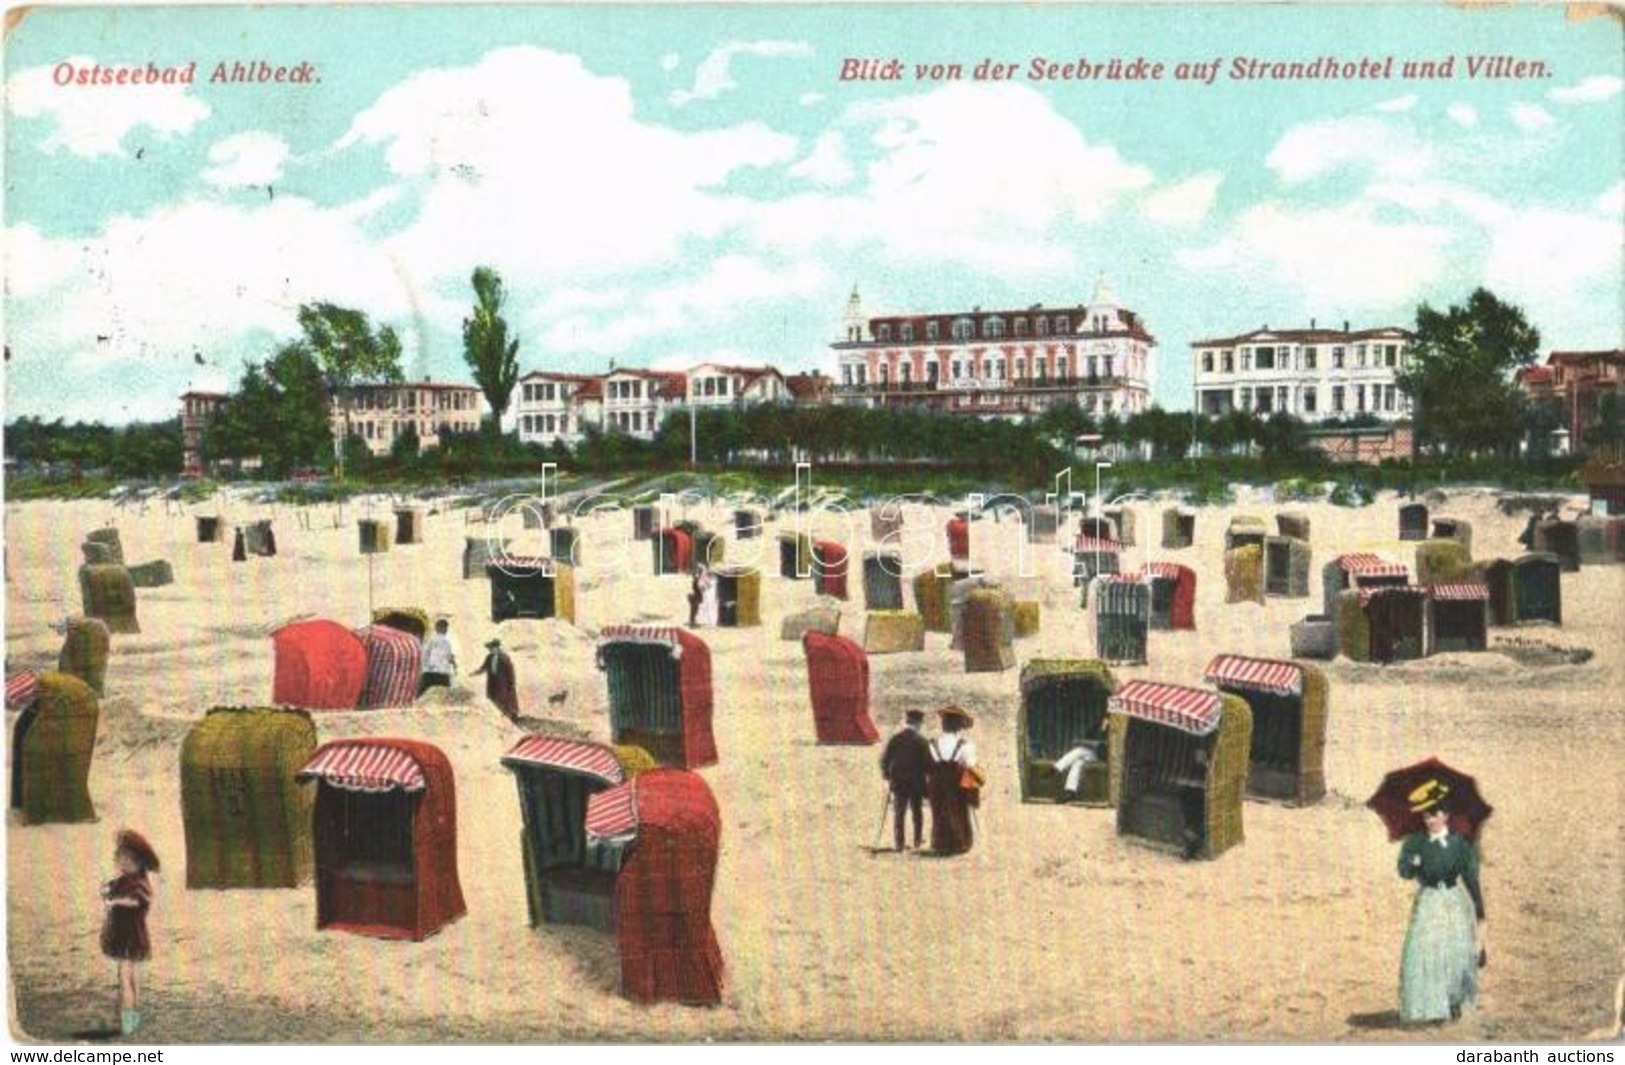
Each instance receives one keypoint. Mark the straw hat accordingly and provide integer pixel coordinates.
(948, 713)
(1427, 795)
(138, 847)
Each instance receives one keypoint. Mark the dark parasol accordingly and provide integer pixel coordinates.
(1405, 793)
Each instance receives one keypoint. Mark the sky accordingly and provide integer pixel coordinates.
(666, 185)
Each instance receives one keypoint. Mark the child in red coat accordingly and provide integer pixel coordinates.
(127, 898)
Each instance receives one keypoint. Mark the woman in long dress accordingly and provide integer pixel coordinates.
(706, 615)
(1438, 971)
(951, 755)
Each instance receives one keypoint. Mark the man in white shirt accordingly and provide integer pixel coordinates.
(439, 659)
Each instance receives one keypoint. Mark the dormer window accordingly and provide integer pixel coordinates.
(930, 330)
(964, 328)
(905, 332)
(1021, 327)
(1063, 324)
(883, 333)
(993, 328)
(1043, 325)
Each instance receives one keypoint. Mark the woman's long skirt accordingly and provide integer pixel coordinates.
(1438, 972)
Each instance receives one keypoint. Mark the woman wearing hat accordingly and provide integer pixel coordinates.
(501, 684)
(127, 897)
(1438, 972)
(953, 759)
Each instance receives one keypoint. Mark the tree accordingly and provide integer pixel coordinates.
(491, 356)
(1459, 377)
(278, 414)
(1537, 420)
(1608, 433)
(350, 353)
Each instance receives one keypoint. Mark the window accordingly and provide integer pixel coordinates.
(998, 369)
(1021, 327)
(1063, 324)
(1094, 369)
(1266, 401)
(846, 376)
(883, 333)
(1388, 397)
(1281, 399)
(1337, 399)
(963, 328)
(1108, 366)
(1337, 360)
(993, 327)
(906, 371)
(1043, 326)
(1043, 369)
(1021, 369)
(905, 331)
(1359, 356)
(1245, 398)
(958, 369)
(930, 330)
(931, 371)
(1390, 355)
(1060, 367)
(1246, 359)
(1266, 358)
(861, 372)
(1207, 362)
(1309, 400)
(1228, 362)
(1309, 355)
(884, 372)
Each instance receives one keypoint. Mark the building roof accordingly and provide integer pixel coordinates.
(432, 386)
(1306, 336)
(557, 375)
(1127, 321)
(1535, 375)
(1573, 358)
(195, 394)
(808, 385)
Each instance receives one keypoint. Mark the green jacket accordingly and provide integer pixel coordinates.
(1432, 864)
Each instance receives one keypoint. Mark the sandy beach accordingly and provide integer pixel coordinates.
(1065, 931)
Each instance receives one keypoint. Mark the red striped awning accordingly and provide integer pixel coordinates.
(665, 635)
(519, 565)
(613, 812)
(1166, 571)
(21, 690)
(1466, 592)
(1190, 710)
(1368, 565)
(1258, 674)
(1093, 544)
(1368, 594)
(575, 756)
(363, 766)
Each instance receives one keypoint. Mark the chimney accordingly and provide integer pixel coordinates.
(1346, 325)
(1311, 324)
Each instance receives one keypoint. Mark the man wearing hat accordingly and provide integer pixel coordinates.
(905, 764)
(501, 687)
(953, 766)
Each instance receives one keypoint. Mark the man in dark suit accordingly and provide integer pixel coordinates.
(904, 764)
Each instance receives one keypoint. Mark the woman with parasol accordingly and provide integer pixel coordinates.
(1438, 811)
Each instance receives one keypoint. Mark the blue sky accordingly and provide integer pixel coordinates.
(666, 185)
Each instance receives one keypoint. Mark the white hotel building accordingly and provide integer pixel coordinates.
(560, 406)
(1316, 374)
(1008, 364)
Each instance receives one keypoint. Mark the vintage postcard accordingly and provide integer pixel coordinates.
(679, 523)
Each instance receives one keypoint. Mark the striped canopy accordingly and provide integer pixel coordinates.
(1116, 596)
(1168, 571)
(1368, 565)
(1187, 709)
(1368, 594)
(21, 690)
(1257, 674)
(613, 812)
(666, 636)
(360, 765)
(1465, 592)
(519, 565)
(394, 664)
(1093, 544)
(574, 756)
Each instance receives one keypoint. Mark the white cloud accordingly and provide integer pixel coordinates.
(712, 77)
(1462, 114)
(1591, 90)
(499, 180)
(1559, 264)
(1186, 203)
(670, 61)
(807, 99)
(198, 274)
(729, 284)
(1530, 117)
(253, 158)
(1344, 256)
(935, 193)
(1315, 148)
(827, 164)
(1613, 201)
(93, 120)
(1397, 104)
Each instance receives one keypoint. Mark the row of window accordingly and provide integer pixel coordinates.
(631, 422)
(392, 399)
(626, 390)
(1352, 399)
(1280, 358)
(544, 393)
(992, 369)
(992, 328)
(544, 423)
(390, 429)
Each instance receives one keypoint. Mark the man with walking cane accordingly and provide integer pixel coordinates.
(904, 764)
